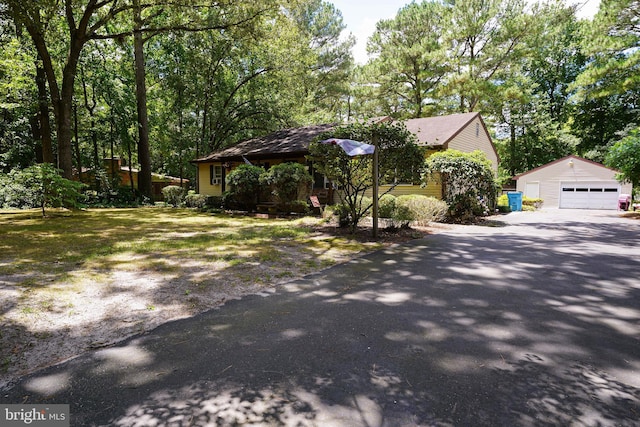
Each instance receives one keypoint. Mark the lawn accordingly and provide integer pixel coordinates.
(80, 280)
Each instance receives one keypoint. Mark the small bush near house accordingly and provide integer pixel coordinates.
(173, 195)
(424, 209)
(194, 200)
(468, 183)
(338, 210)
(215, 202)
(288, 182)
(298, 206)
(386, 206)
(393, 214)
(528, 204)
(533, 203)
(244, 183)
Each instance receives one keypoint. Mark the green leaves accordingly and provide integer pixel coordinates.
(39, 186)
(624, 156)
(400, 160)
(467, 180)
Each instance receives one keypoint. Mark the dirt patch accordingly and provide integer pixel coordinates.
(51, 320)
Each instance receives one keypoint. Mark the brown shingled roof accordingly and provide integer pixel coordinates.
(430, 131)
(438, 131)
(294, 141)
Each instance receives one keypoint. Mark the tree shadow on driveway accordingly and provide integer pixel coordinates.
(520, 325)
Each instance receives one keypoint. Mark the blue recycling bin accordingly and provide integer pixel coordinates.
(515, 200)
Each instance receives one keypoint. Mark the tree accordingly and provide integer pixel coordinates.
(40, 186)
(328, 59)
(468, 182)
(608, 89)
(17, 110)
(109, 19)
(624, 156)
(409, 64)
(484, 38)
(400, 160)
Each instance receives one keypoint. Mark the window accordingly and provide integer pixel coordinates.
(216, 174)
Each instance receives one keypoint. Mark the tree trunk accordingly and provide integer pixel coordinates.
(77, 144)
(144, 156)
(512, 148)
(43, 114)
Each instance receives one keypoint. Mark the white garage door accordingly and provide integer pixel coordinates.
(589, 195)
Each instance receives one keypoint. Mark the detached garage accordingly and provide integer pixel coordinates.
(573, 183)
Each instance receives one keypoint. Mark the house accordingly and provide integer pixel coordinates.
(465, 132)
(113, 167)
(287, 145)
(573, 183)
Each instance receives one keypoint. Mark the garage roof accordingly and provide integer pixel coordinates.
(564, 159)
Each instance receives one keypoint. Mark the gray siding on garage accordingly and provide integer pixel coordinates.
(570, 169)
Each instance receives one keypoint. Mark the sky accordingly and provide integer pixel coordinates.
(361, 17)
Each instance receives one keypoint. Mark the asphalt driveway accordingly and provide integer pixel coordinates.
(532, 321)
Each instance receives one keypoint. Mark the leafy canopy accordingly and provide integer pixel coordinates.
(400, 160)
(624, 156)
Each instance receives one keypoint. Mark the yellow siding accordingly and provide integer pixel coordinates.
(433, 189)
(473, 137)
(204, 181)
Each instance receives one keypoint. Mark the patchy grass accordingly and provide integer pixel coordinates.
(146, 238)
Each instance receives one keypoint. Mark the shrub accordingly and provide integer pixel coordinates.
(244, 183)
(39, 186)
(215, 202)
(534, 203)
(392, 213)
(424, 209)
(194, 200)
(402, 216)
(288, 183)
(468, 182)
(298, 206)
(173, 195)
(386, 206)
(528, 204)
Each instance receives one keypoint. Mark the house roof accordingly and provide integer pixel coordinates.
(155, 177)
(294, 141)
(430, 131)
(439, 130)
(564, 159)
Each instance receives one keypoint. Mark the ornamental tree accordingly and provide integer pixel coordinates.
(400, 161)
(40, 186)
